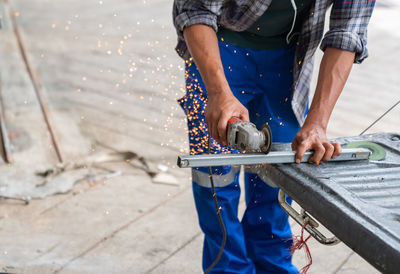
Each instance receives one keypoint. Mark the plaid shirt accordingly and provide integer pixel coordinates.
(347, 31)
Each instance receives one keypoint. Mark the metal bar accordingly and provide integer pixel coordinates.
(5, 142)
(36, 85)
(274, 157)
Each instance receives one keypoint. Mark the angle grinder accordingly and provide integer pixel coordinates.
(246, 137)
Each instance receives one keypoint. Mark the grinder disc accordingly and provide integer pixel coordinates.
(266, 130)
(378, 153)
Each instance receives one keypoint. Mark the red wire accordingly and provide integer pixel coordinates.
(298, 243)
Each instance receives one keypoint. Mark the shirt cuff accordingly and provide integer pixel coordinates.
(346, 40)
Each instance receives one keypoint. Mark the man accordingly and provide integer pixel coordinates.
(254, 60)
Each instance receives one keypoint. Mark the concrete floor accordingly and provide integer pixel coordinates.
(108, 74)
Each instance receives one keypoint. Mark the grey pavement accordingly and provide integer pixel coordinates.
(109, 75)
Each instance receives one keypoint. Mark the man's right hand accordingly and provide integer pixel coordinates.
(222, 104)
(221, 107)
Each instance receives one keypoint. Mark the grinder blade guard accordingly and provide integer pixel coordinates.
(246, 137)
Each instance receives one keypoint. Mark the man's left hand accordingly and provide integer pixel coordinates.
(313, 137)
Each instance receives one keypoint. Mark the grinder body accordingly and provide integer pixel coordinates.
(246, 137)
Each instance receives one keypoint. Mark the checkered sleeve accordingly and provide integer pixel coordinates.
(191, 12)
(348, 27)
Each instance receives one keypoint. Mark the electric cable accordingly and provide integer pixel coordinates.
(380, 117)
(218, 214)
(288, 38)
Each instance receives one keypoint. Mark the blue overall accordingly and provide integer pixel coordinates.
(259, 243)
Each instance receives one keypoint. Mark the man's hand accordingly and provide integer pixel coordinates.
(313, 137)
(222, 104)
(220, 108)
(333, 73)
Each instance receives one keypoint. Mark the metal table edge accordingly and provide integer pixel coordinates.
(385, 244)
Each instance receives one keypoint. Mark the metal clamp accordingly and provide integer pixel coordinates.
(303, 219)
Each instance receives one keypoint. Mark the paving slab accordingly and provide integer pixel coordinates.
(62, 233)
(151, 240)
(355, 264)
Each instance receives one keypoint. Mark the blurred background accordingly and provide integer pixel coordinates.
(90, 133)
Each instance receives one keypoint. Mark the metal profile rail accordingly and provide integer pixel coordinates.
(274, 157)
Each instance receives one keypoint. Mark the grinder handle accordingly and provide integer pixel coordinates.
(231, 121)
